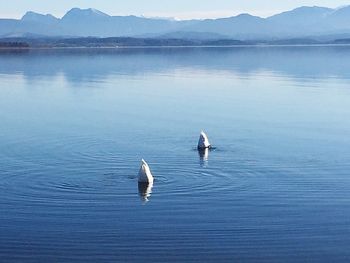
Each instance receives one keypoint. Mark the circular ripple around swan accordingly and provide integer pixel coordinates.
(82, 168)
(185, 176)
(75, 169)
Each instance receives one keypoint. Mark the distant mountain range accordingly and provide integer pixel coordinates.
(319, 23)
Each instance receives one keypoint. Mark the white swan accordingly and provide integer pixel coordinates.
(145, 175)
(203, 142)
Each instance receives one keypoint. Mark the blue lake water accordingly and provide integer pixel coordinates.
(74, 125)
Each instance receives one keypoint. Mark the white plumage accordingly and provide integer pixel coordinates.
(145, 175)
(203, 142)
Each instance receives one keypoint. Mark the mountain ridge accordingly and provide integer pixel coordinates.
(297, 23)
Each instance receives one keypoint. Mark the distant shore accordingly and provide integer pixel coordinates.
(127, 42)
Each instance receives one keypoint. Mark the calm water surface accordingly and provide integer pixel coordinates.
(74, 125)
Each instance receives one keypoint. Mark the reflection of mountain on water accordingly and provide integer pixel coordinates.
(89, 65)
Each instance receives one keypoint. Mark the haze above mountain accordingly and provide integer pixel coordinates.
(298, 23)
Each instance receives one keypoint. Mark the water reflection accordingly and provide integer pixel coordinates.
(238, 208)
(203, 156)
(145, 191)
(296, 62)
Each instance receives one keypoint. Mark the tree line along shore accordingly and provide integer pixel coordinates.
(114, 42)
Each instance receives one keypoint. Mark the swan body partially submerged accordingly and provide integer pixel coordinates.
(145, 175)
(203, 142)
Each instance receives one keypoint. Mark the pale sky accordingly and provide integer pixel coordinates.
(180, 9)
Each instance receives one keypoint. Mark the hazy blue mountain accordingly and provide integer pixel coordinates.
(77, 14)
(91, 22)
(192, 35)
(301, 22)
(301, 16)
(338, 19)
(85, 22)
(242, 26)
(8, 26)
(39, 18)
